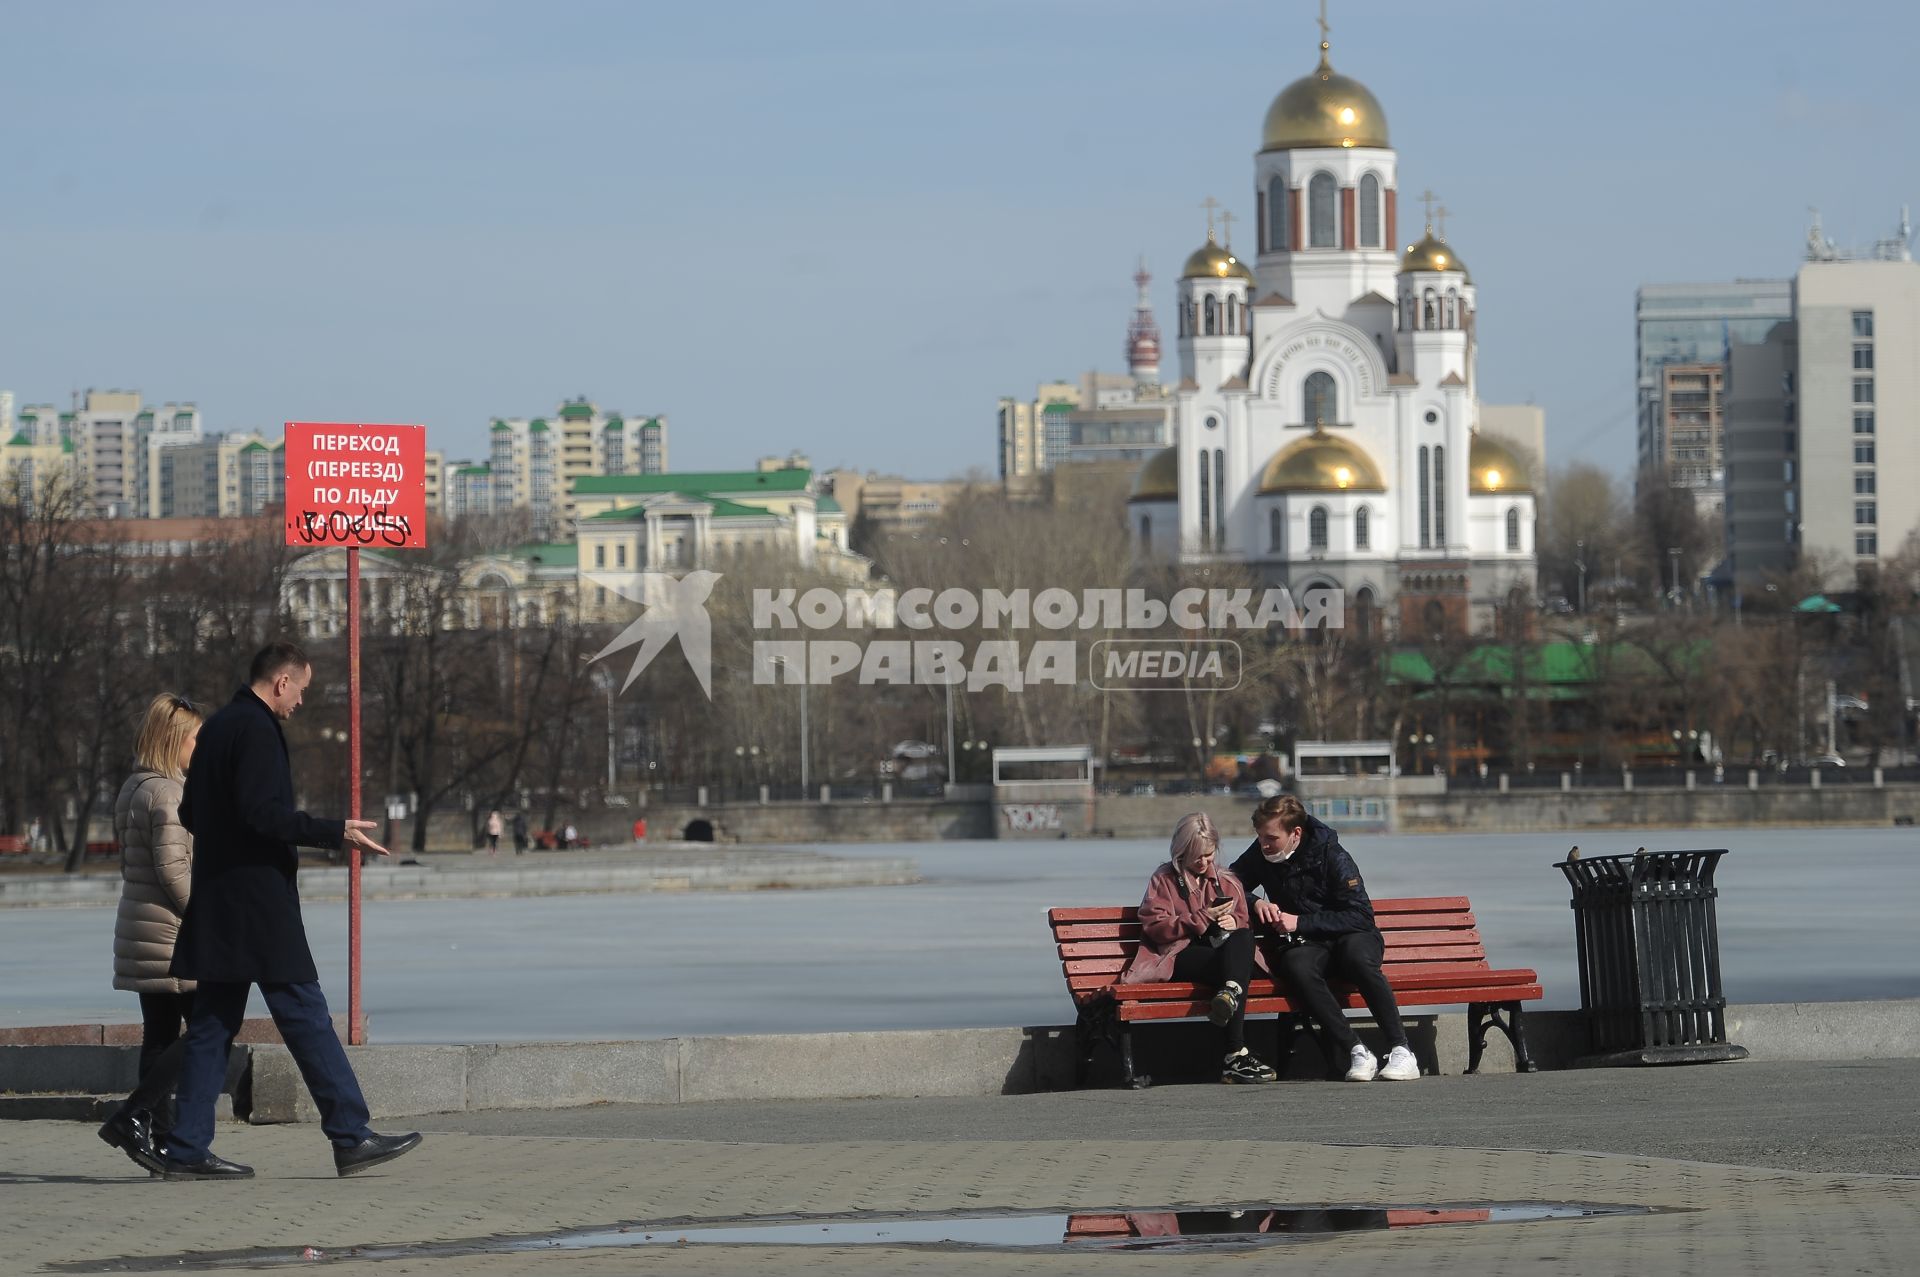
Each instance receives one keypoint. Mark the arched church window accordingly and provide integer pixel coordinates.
(1275, 530)
(1317, 399)
(1426, 498)
(1439, 495)
(1453, 308)
(1362, 529)
(1278, 236)
(1220, 497)
(1206, 509)
(1233, 314)
(1317, 528)
(1427, 309)
(1364, 612)
(1320, 227)
(1210, 319)
(1370, 211)
(1513, 529)
(1435, 615)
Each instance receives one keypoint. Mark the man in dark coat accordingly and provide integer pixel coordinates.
(1315, 897)
(243, 927)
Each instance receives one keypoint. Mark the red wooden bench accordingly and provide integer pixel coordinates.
(12, 844)
(1434, 957)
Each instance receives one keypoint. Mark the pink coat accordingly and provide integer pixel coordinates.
(1169, 923)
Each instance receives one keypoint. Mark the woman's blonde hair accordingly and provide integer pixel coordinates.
(170, 720)
(1194, 827)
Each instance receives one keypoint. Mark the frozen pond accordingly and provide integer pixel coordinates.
(1804, 915)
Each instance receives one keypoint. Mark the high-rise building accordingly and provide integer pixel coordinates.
(1101, 417)
(116, 443)
(32, 471)
(532, 463)
(1821, 464)
(1693, 324)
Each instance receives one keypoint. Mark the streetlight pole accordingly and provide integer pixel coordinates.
(785, 664)
(611, 779)
(950, 778)
(1580, 562)
(1673, 557)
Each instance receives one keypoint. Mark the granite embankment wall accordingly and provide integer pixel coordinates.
(1151, 816)
(42, 1081)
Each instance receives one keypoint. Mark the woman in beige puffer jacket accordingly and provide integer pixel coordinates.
(156, 878)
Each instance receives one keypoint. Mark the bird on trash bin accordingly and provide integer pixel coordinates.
(1574, 853)
(1639, 851)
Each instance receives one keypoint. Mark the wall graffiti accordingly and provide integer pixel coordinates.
(1028, 817)
(344, 527)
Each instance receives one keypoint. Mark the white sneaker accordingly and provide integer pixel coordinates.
(1400, 1066)
(1365, 1065)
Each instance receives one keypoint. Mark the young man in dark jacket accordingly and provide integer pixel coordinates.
(1315, 897)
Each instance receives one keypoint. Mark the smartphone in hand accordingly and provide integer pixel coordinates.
(1222, 900)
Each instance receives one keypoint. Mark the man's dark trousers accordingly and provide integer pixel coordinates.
(1353, 957)
(300, 1013)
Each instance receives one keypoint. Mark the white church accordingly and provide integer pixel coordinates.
(1326, 425)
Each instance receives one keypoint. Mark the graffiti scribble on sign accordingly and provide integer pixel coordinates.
(1027, 817)
(342, 527)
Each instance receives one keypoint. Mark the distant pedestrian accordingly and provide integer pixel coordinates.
(243, 925)
(156, 869)
(519, 833)
(569, 836)
(33, 835)
(494, 827)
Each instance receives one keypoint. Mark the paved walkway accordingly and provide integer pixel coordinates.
(72, 1205)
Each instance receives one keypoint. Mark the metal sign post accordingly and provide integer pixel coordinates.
(354, 486)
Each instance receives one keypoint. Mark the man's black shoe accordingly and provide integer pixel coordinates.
(209, 1167)
(131, 1131)
(372, 1151)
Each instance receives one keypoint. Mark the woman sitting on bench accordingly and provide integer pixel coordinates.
(1193, 928)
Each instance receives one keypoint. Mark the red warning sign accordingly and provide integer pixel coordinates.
(357, 485)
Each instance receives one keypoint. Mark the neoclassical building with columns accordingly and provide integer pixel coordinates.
(1326, 424)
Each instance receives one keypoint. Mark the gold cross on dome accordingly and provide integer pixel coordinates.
(1227, 219)
(1427, 199)
(1209, 204)
(1324, 28)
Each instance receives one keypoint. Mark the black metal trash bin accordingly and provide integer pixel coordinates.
(1649, 949)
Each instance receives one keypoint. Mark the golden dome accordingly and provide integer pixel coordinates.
(1159, 479)
(1324, 109)
(1321, 463)
(1493, 469)
(1434, 255)
(1210, 261)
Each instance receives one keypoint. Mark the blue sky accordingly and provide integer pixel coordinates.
(848, 227)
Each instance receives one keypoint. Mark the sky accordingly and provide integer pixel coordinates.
(848, 228)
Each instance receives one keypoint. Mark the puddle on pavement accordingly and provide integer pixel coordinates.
(1242, 1225)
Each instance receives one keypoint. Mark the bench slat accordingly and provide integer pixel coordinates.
(1391, 928)
(1397, 943)
(1396, 905)
(1436, 977)
(1132, 1012)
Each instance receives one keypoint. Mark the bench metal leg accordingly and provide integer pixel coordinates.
(1504, 1016)
(1096, 1024)
(1128, 1077)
